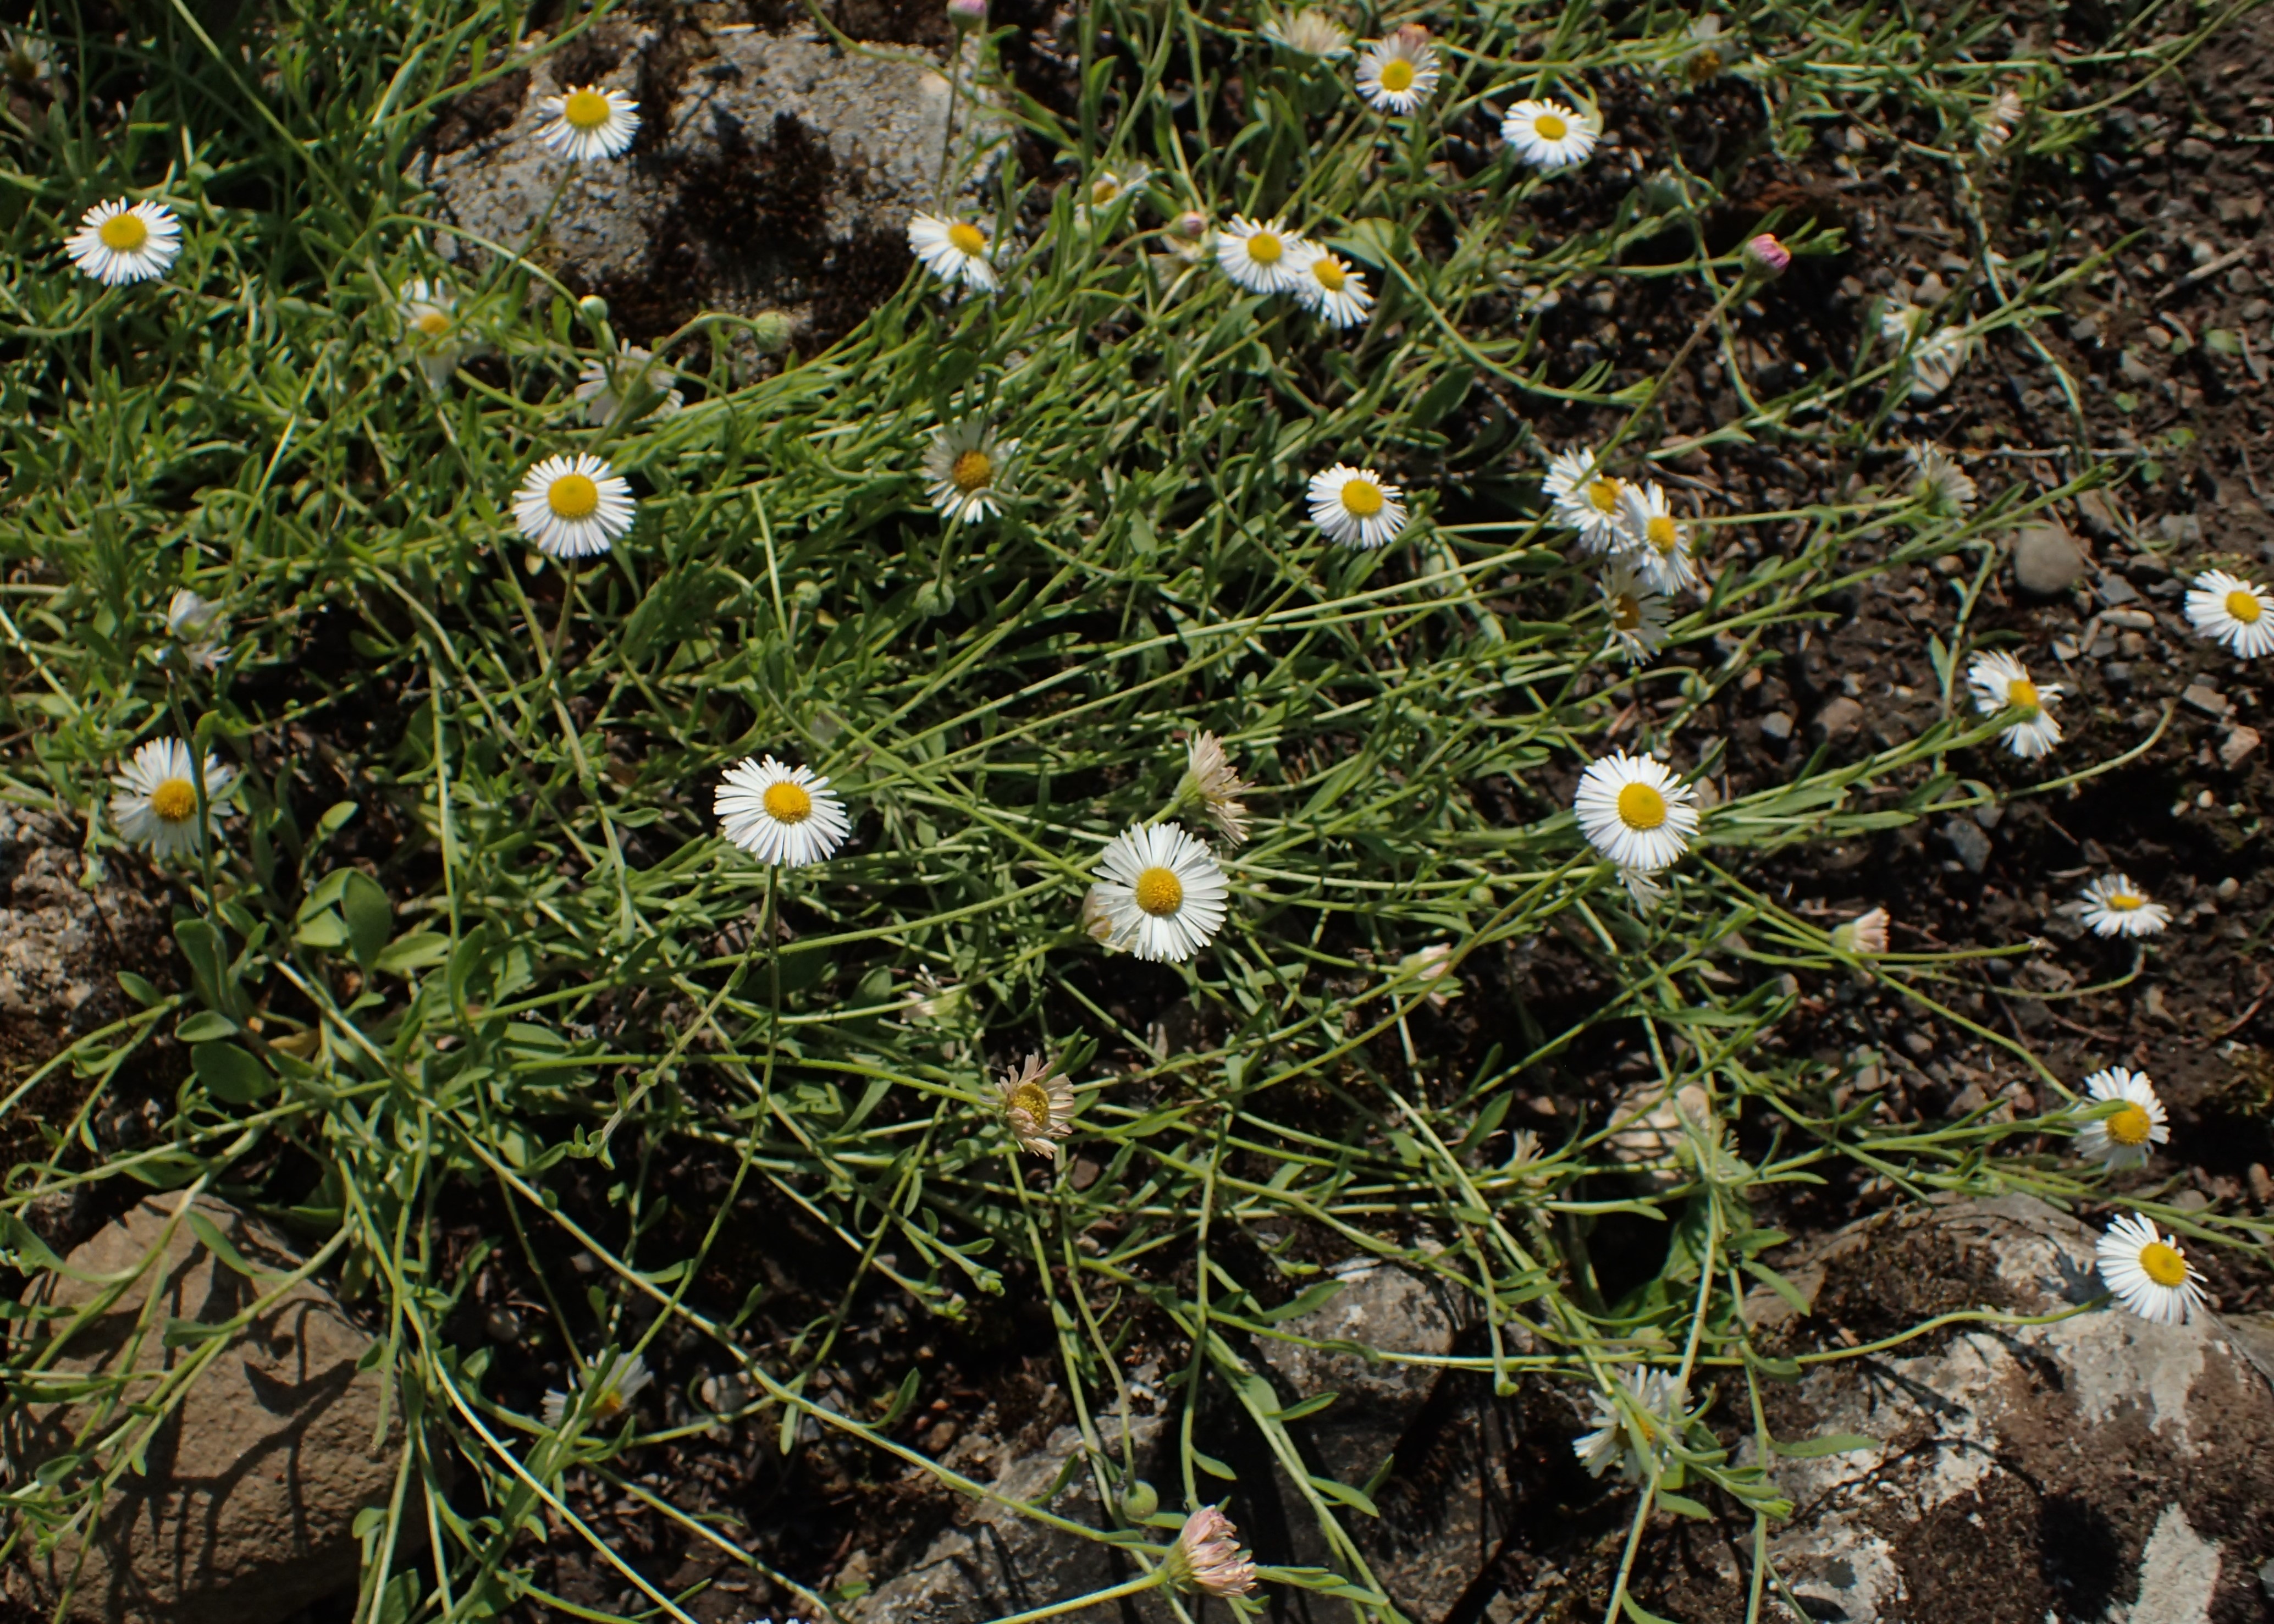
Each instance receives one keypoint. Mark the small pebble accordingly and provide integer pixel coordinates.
(2046, 560)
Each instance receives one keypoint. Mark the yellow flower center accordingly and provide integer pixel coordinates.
(1033, 1100)
(1104, 190)
(175, 801)
(2130, 1126)
(1265, 248)
(1159, 893)
(435, 324)
(584, 109)
(971, 471)
(1331, 276)
(2244, 606)
(967, 237)
(1662, 533)
(1397, 74)
(609, 1405)
(1641, 807)
(2021, 693)
(1361, 498)
(1626, 611)
(1550, 127)
(1604, 493)
(2163, 1264)
(2125, 901)
(573, 496)
(1705, 65)
(124, 233)
(788, 804)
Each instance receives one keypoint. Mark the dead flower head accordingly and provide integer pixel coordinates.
(1038, 1103)
(1207, 1556)
(1210, 780)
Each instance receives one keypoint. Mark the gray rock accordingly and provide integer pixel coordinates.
(63, 942)
(2046, 559)
(1968, 840)
(1839, 718)
(244, 1511)
(1383, 1308)
(1777, 724)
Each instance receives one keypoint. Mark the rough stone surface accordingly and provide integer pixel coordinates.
(2100, 1467)
(62, 945)
(2046, 559)
(244, 1512)
(1380, 1307)
(1839, 718)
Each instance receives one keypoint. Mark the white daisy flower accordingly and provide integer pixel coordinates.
(1939, 483)
(157, 804)
(1262, 257)
(780, 813)
(954, 250)
(1935, 358)
(1398, 74)
(589, 123)
(1162, 891)
(1998, 122)
(968, 468)
(2122, 1141)
(573, 506)
(1548, 135)
(1211, 780)
(1660, 542)
(120, 242)
(2115, 906)
(1865, 934)
(2147, 1272)
(1629, 1435)
(1330, 290)
(1038, 1103)
(1309, 31)
(26, 58)
(634, 377)
(1637, 610)
(1108, 187)
(2000, 682)
(1357, 506)
(1635, 812)
(197, 626)
(2230, 610)
(613, 1384)
(430, 325)
(1586, 498)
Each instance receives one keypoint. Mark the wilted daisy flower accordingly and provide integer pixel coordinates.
(1207, 1556)
(430, 325)
(1429, 966)
(1261, 257)
(2122, 1141)
(1162, 890)
(1357, 506)
(1210, 780)
(1038, 1104)
(1658, 541)
(1586, 498)
(1397, 74)
(1938, 482)
(573, 506)
(1097, 920)
(1108, 187)
(157, 804)
(197, 626)
(634, 377)
(2230, 610)
(1548, 135)
(1644, 891)
(613, 1384)
(1629, 1435)
(954, 250)
(2115, 906)
(2000, 682)
(1636, 812)
(1701, 60)
(780, 813)
(1309, 31)
(25, 57)
(1998, 122)
(589, 123)
(119, 242)
(1935, 358)
(1866, 933)
(969, 467)
(1637, 613)
(2147, 1272)
(1330, 290)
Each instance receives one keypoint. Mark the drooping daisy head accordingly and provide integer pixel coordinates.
(573, 506)
(1998, 121)
(1646, 891)
(1038, 1104)
(2122, 1141)
(1261, 256)
(610, 1385)
(1108, 187)
(589, 123)
(430, 330)
(1865, 934)
(1207, 1556)
(1587, 498)
(632, 382)
(1702, 58)
(2147, 1272)
(1636, 812)
(954, 250)
(1398, 74)
(1211, 781)
(1637, 612)
(1357, 506)
(157, 804)
(1162, 892)
(26, 58)
(968, 470)
(1657, 541)
(2000, 682)
(1633, 1425)
(1938, 484)
(2230, 610)
(1934, 355)
(197, 627)
(1308, 31)
(119, 242)
(780, 813)
(2116, 905)
(1549, 135)
(1331, 288)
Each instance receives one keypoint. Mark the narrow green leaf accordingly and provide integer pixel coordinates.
(1835, 1443)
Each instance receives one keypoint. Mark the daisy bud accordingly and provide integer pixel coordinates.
(1207, 1556)
(1866, 933)
(771, 330)
(1766, 258)
(1140, 1500)
(1192, 225)
(966, 13)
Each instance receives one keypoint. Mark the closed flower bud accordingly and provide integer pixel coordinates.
(966, 13)
(1207, 1556)
(1766, 258)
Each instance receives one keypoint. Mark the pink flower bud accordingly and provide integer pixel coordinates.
(1764, 257)
(966, 13)
(1207, 1556)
